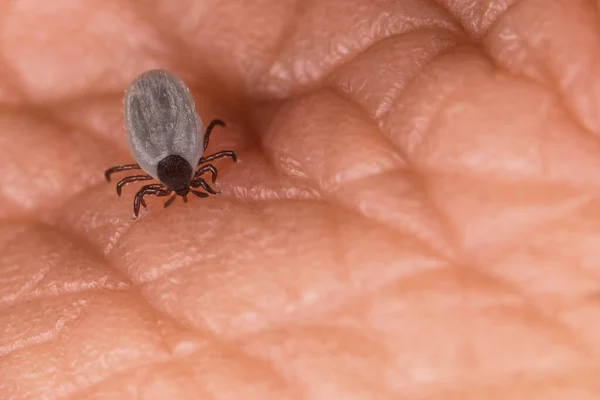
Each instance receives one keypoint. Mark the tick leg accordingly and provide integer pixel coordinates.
(170, 201)
(154, 189)
(129, 179)
(199, 194)
(209, 129)
(201, 182)
(205, 168)
(119, 168)
(220, 154)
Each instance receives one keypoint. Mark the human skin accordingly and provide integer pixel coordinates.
(414, 214)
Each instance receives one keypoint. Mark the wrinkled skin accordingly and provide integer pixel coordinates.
(414, 215)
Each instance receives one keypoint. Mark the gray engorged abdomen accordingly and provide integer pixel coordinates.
(161, 120)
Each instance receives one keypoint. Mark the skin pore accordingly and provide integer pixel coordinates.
(414, 214)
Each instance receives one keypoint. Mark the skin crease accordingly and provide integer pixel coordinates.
(414, 215)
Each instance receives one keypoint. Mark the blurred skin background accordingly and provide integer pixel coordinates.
(414, 216)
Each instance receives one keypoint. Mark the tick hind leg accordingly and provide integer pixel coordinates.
(220, 154)
(119, 168)
(154, 189)
(130, 179)
(209, 129)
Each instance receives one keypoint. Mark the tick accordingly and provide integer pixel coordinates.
(167, 139)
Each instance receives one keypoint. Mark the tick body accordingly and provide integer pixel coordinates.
(167, 139)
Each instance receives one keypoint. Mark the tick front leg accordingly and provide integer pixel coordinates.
(206, 168)
(199, 194)
(130, 179)
(119, 168)
(202, 183)
(155, 189)
(170, 201)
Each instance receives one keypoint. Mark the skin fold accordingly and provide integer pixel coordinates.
(415, 213)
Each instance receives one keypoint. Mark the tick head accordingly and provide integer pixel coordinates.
(176, 173)
(183, 191)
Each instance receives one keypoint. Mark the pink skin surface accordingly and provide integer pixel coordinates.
(415, 214)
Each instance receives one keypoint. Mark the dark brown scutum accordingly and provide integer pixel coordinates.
(175, 172)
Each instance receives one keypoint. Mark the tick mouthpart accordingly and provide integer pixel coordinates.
(183, 192)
